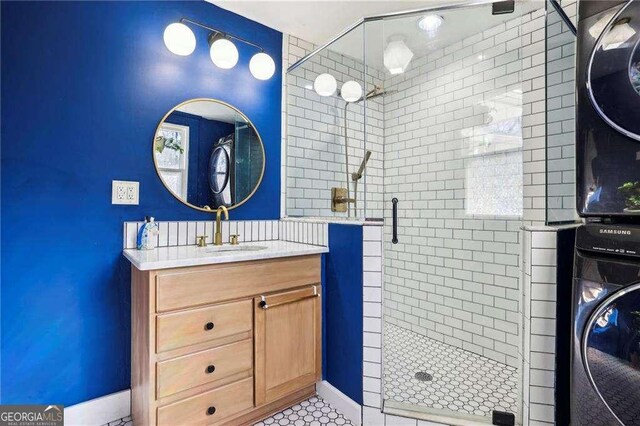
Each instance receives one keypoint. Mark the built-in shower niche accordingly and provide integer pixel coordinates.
(453, 136)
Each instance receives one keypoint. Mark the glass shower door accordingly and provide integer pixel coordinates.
(455, 97)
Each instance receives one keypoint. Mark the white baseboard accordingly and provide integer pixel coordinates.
(99, 411)
(348, 407)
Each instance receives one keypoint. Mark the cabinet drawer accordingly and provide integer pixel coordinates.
(196, 286)
(186, 328)
(203, 367)
(225, 402)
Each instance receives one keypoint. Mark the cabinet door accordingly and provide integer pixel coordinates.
(287, 342)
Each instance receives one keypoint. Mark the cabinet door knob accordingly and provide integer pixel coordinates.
(211, 369)
(208, 326)
(211, 411)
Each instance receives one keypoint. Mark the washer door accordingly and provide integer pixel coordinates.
(219, 175)
(611, 353)
(613, 76)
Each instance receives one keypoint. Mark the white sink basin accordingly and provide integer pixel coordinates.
(228, 248)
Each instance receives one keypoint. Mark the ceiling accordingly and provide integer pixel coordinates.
(458, 24)
(317, 21)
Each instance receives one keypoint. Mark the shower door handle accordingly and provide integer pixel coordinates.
(394, 240)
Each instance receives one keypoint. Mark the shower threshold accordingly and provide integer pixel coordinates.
(443, 416)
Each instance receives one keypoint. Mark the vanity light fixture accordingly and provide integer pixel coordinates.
(224, 54)
(180, 40)
(262, 66)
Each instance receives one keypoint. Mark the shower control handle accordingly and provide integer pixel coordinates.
(394, 240)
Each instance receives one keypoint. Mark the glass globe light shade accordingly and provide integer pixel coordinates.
(179, 39)
(262, 66)
(224, 54)
(325, 85)
(351, 91)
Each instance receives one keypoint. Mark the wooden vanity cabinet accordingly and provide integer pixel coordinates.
(224, 344)
(287, 342)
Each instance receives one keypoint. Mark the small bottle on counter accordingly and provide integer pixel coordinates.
(148, 234)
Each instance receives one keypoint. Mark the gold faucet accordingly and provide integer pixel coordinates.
(217, 240)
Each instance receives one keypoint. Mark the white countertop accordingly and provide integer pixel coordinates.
(176, 257)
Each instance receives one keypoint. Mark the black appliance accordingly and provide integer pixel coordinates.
(221, 172)
(608, 109)
(605, 379)
(605, 341)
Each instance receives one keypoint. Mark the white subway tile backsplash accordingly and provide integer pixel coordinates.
(185, 233)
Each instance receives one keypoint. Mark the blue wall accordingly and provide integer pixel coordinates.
(84, 85)
(342, 354)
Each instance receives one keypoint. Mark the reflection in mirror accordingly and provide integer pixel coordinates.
(208, 154)
(634, 68)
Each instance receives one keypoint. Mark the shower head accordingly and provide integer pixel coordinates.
(358, 175)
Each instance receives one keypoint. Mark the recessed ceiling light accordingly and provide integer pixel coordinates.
(430, 24)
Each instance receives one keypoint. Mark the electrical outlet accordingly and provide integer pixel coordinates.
(124, 192)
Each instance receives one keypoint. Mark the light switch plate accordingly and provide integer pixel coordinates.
(124, 192)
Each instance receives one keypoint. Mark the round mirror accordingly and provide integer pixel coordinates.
(208, 154)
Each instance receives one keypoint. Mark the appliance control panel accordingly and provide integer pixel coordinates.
(609, 239)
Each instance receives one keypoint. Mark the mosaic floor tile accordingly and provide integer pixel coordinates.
(461, 381)
(126, 421)
(311, 412)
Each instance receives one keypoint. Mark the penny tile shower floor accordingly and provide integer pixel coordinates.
(311, 412)
(461, 381)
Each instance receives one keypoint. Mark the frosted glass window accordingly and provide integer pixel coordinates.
(494, 184)
(172, 154)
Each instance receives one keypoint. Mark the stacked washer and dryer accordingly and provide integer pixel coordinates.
(605, 359)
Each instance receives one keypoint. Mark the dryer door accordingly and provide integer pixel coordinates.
(611, 353)
(613, 75)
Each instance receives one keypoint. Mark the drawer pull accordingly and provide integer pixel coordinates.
(283, 301)
(211, 369)
(211, 411)
(208, 326)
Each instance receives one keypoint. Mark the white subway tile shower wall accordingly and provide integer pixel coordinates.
(560, 105)
(372, 322)
(539, 321)
(315, 135)
(454, 277)
(184, 233)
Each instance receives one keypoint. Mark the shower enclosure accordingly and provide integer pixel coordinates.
(445, 104)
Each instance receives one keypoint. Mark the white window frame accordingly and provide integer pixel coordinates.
(184, 167)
